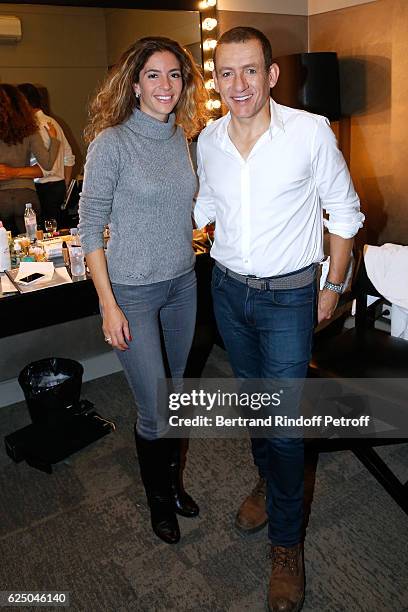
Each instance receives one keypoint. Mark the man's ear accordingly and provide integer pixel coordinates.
(273, 75)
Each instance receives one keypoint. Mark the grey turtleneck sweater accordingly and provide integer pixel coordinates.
(139, 178)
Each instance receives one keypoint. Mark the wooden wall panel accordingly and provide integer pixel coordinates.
(372, 46)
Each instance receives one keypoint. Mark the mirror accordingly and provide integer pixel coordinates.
(67, 50)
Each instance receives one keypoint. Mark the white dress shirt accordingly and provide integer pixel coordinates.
(65, 156)
(268, 208)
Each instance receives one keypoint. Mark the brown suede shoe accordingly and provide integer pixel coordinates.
(287, 583)
(252, 515)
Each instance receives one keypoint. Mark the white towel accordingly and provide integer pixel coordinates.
(387, 269)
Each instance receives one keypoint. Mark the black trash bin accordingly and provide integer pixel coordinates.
(50, 386)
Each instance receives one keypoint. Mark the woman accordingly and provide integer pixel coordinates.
(19, 141)
(139, 179)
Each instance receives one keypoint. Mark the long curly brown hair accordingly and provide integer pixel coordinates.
(115, 100)
(16, 116)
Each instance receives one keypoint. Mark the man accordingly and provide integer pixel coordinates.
(266, 172)
(51, 187)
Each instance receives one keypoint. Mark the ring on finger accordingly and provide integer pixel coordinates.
(108, 340)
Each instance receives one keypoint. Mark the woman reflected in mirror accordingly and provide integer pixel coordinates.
(20, 140)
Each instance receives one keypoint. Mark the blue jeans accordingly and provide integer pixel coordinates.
(162, 319)
(268, 334)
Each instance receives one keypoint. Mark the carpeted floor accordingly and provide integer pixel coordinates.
(85, 528)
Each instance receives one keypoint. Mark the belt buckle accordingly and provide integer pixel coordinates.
(257, 283)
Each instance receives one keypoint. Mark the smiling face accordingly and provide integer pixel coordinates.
(160, 85)
(241, 78)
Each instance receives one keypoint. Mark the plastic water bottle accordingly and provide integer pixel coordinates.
(30, 221)
(5, 261)
(77, 259)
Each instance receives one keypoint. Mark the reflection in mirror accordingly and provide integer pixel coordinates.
(67, 50)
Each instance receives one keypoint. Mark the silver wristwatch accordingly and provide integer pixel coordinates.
(336, 287)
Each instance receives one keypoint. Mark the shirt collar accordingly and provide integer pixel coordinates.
(276, 116)
(275, 124)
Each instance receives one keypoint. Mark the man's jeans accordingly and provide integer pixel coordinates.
(161, 319)
(268, 334)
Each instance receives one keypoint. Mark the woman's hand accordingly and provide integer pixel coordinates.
(115, 327)
(52, 132)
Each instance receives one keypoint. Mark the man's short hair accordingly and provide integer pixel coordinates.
(31, 93)
(243, 34)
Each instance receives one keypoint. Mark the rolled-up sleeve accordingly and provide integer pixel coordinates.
(335, 187)
(204, 209)
(69, 157)
(101, 175)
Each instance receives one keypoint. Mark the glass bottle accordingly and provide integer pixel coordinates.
(30, 221)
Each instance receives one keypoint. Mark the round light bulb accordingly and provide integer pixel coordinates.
(209, 43)
(209, 65)
(211, 2)
(210, 84)
(209, 24)
(216, 104)
(209, 105)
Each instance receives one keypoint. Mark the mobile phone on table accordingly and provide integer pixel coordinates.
(31, 278)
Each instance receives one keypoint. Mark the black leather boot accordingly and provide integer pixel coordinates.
(184, 504)
(154, 461)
